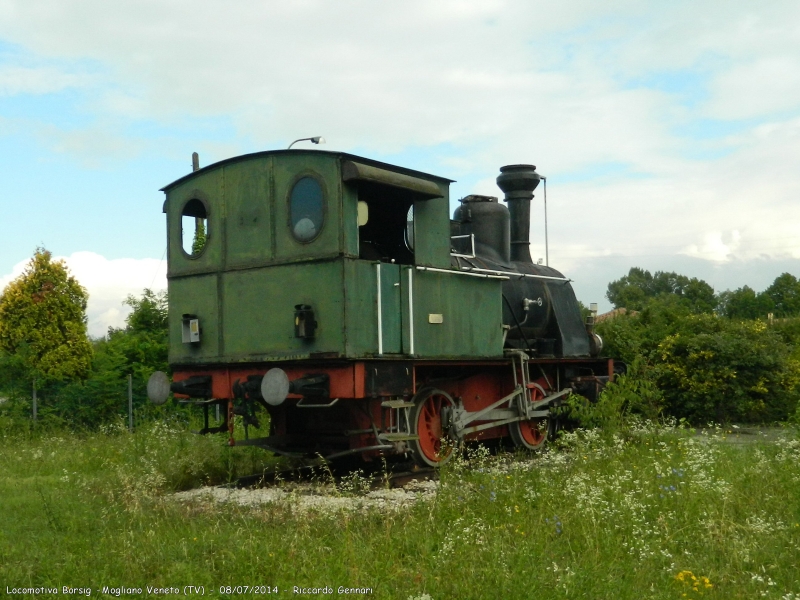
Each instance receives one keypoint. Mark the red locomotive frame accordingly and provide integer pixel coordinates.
(455, 401)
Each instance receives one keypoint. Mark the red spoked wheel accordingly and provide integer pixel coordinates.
(531, 434)
(427, 423)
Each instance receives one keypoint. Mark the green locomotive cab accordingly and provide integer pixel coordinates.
(326, 231)
(329, 290)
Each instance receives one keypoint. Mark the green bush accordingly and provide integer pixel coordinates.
(721, 370)
(710, 368)
(629, 397)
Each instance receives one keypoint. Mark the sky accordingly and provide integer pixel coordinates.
(669, 133)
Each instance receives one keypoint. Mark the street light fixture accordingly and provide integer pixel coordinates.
(546, 246)
(314, 140)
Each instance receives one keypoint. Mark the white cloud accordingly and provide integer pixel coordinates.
(756, 88)
(109, 282)
(91, 146)
(567, 86)
(714, 248)
(37, 80)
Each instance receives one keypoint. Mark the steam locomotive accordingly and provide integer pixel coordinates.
(335, 294)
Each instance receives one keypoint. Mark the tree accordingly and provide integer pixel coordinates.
(43, 321)
(137, 349)
(785, 295)
(745, 303)
(199, 240)
(634, 290)
(149, 313)
(144, 342)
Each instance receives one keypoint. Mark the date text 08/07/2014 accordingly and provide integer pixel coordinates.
(303, 591)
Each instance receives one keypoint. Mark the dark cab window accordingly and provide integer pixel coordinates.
(306, 209)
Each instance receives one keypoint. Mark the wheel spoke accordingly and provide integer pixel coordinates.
(428, 423)
(529, 434)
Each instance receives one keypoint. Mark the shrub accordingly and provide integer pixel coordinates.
(710, 368)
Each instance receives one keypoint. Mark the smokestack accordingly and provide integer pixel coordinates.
(518, 183)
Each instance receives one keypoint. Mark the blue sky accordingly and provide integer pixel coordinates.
(669, 133)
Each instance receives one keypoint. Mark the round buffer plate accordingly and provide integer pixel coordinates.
(158, 387)
(275, 386)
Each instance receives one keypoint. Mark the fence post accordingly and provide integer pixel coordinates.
(130, 403)
(34, 400)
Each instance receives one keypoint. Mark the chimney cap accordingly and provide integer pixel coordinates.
(478, 198)
(518, 181)
(518, 168)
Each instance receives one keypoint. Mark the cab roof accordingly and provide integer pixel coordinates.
(343, 155)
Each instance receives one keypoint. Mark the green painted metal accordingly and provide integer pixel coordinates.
(207, 187)
(355, 171)
(248, 227)
(361, 317)
(259, 310)
(196, 295)
(471, 315)
(245, 284)
(287, 169)
(432, 231)
(349, 220)
(391, 314)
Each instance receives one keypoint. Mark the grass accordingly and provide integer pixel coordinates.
(656, 513)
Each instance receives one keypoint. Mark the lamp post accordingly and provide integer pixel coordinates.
(546, 246)
(314, 140)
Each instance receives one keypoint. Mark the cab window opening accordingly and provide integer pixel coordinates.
(194, 228)
(384, 236)
(410, 228)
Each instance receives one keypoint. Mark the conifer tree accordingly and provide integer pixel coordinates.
(43, 321)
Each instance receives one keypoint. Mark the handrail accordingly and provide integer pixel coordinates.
(451, 272)
(510, 274)
(471, 237)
